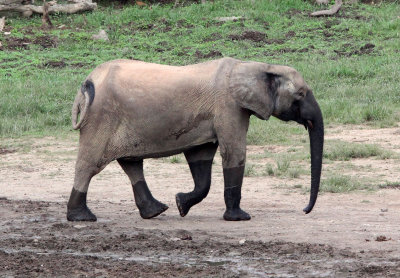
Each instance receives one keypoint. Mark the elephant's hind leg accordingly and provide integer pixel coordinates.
(200, 161)
(77, 209)
(148, 206)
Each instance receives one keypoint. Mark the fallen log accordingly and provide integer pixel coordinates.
(28, 9)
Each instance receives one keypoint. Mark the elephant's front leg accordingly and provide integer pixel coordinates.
(148, 206)
(233, 179)
(232, 141)
(200, 160)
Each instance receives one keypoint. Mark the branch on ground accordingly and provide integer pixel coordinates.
(333, 10)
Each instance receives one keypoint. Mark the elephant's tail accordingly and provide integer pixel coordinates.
(87, 91)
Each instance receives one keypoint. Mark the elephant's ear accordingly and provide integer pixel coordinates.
(254, 88)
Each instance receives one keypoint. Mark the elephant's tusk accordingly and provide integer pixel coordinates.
(310, 125)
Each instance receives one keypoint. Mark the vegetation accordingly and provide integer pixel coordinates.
(338, 150)
(340, 184)
(350, 60)
(249, 170)
(175, 159)
(284, 167)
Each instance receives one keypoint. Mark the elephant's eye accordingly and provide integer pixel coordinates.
(301, 93)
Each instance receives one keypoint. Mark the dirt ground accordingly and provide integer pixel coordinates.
(353, 234)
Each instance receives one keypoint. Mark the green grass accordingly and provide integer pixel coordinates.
(286, 166)
(390, 185)
(175, 159)
(340, 184)
(352, 86)
(336, 183)
(249, 170)
(339, 150)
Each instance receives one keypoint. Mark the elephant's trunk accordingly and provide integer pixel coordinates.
(316, 134)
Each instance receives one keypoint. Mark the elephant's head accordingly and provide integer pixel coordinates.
(280, 91)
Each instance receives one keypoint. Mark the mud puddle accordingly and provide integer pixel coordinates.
(44, 244)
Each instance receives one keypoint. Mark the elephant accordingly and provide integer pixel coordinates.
(129, 110)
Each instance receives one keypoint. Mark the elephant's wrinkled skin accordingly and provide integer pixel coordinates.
(132, 110)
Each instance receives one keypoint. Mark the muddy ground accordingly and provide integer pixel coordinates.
(354, 234)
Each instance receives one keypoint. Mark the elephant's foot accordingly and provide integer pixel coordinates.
(82, 213)
(236, 214)
(153, 209)
(182, 204)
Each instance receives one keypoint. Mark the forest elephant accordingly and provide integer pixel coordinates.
(131, 110)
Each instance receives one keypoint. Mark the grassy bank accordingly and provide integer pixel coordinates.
(351, 60)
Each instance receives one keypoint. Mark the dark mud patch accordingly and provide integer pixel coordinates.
(349, 50)
(327, 34)
(46, 41)
(37, 241)
(54, 64)
(290, 34)
(254, 36)
(13, 43)
(6, 151)
(211, 54)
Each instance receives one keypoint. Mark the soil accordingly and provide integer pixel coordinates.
(366, 49)
(211, 54)
(290, 34)
(250, 35)
(13, 43)
(330, 23)
(54, 64)
(346, 235)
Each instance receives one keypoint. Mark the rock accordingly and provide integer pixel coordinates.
(184, 235)
(382, 238)
(79, 226)
(228, 18)
(242, 241)
(102, 35)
